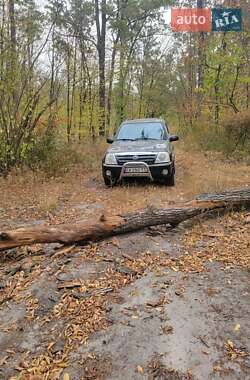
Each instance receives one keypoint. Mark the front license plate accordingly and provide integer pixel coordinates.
(136, 170)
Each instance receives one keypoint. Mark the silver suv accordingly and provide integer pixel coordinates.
(140, 148)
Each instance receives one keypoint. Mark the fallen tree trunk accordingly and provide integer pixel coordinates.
(104, 226)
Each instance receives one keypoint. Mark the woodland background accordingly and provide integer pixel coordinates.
(71, 71)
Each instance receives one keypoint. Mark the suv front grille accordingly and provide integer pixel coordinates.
(147, 158)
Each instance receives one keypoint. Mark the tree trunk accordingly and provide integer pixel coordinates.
(51, 118)
(101, 49)
(217, 83)
(248, 95)
(216, 93)
(13, 44)
(120, 102)
(200, 73)
(72, 105)
(68, 94)
(82, 101)
(2, 47)
(94, 229)
(111, 79)
(201, 5)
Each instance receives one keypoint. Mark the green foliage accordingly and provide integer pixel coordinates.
(232, 137)
(237, 131)
(50, 79)
(52, 155)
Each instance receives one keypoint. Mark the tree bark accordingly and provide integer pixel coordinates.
(95, 229)
(13, 44)
(101, 49)
(111, 79)
(68, 94)
(200, 4)
(72, 106)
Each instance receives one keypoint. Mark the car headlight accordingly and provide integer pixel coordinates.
(162, 157)
(110, 159)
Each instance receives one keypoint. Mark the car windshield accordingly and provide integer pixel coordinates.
(141, 131)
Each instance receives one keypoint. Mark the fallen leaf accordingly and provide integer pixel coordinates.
(135, 317)
(217, 368)
(156, 303)
(167, 329)
(135, 293)
(230, 343)
(140, 369)
(237, 327)
(10, 352)
(3, 361)
(205, 352)
(175, 269)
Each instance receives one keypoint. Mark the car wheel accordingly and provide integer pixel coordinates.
(109, 182)
(170, 180)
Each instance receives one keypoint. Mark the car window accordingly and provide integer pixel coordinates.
(141, 131)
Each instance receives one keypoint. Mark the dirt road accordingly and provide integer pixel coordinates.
(159, 304)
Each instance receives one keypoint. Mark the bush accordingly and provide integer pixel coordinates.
(202, 135)
(232, 136)
(55, 156)
(237, 131)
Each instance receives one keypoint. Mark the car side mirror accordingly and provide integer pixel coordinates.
(110, 140)
(173, 138)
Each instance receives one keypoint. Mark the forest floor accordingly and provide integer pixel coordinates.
(157, 304)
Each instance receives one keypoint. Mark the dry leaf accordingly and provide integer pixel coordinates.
(167, 329)
(3, 360)
(140, 369)
(230, 343)
(217, 368)
(205, 352)
(175, 269)
(156, 303)
(237, 327)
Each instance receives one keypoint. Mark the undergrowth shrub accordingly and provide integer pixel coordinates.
(231, 137)
(55, 156)
(237, 131)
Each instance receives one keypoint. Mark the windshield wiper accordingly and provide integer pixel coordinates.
(145, 138)
(125, 139)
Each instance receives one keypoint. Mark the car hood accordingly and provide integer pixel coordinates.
(139, 146)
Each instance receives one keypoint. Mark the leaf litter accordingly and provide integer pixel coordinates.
(82, 316)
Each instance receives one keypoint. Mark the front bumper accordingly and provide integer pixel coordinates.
(152, 172)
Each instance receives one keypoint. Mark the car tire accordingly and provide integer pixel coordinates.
(109, 182)
(170, 180)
